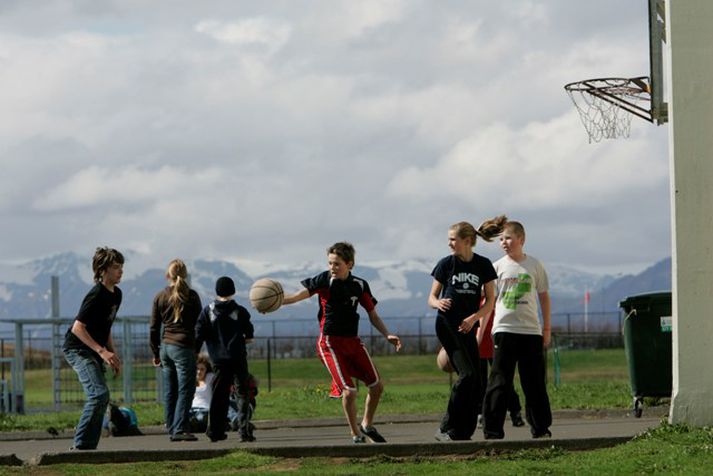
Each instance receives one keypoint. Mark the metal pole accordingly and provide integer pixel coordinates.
(55, 356)
(127, 359)
(269, 367)
(18, 376)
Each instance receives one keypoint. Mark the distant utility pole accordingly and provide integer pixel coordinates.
(586, 310)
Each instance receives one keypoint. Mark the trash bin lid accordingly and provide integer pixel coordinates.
(639, 300)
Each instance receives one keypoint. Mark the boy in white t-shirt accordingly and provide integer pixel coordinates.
(519, 340)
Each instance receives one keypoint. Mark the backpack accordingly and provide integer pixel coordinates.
(121, 421)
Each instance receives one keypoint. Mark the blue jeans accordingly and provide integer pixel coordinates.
(91, 375)
(179, 380)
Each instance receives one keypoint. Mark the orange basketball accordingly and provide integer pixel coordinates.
(266, 295)
(443, 362)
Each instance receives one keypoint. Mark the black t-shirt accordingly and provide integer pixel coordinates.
(338, 301)
(462, 283)
(97, 312)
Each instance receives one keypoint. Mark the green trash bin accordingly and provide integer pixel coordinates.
(647, 340)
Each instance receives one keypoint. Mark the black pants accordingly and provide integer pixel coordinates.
(226, 374)
(461, 415)
(514, 406)
(526, 352)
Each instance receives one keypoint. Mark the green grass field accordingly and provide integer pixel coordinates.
(664, 450)
(589, 379)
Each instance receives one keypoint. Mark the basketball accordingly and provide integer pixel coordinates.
(443, 362)
(266, 295)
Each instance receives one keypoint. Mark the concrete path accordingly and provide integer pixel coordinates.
(406, 435)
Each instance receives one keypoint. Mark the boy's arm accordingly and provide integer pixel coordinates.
(200, 331)
(296, 297)
(79, 329)
(546, 322)
(381, 327)
(485, 319)
(155, 332)
(110, 345)
(483, 313)
(249, 329)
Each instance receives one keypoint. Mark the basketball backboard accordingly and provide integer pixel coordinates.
(657, 37)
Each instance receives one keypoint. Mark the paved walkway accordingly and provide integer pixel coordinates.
(406, 435)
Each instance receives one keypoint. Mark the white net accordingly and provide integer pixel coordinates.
(606, 105)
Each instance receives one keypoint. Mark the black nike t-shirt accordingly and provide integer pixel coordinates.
(462, 283)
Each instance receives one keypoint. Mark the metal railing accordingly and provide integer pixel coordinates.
(37, 345)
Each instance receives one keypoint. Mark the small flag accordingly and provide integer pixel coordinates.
(586, 297)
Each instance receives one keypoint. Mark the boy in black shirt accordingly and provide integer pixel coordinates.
(339, 346)
(88, 345)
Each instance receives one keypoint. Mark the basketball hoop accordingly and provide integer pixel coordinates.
(606, 105)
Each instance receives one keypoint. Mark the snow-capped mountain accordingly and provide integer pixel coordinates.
(400, 287)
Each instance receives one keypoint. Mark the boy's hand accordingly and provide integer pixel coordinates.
(467, 324)
(156, 362)
(395, 341)
(112, 360)
(546, 338)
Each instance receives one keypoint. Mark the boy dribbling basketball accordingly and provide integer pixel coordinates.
(339, 346)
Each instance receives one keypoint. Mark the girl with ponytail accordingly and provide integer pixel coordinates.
(458, 281)
(172, 336)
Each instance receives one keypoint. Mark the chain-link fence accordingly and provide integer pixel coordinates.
(38, 378)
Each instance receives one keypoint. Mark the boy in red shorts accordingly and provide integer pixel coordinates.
(339, 346)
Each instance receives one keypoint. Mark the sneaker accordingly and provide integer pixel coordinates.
(214, 438)
(493, 436)
(359, 439)
(542, 434)
(480, 420)
(184, 437)
(80, 448)
(371, 433)
(517, 419)
(245, 437)
(442, 436)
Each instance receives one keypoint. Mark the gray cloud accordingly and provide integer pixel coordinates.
(265, 131)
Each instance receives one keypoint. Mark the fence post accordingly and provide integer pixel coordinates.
(269, 367)
(18, 376)
(128, 361)
(159, 384)
(556, 354)
(55, 353)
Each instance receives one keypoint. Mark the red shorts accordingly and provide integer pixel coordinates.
(346, 357)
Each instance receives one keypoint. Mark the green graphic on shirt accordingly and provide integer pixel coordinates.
(513, 295)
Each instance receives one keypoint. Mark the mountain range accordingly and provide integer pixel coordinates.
(400, 287)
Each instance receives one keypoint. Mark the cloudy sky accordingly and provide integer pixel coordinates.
(266, 130)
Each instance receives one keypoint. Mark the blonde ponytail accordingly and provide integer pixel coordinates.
(180, 291)
(487, 230)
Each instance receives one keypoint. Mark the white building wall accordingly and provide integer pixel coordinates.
(689, 68)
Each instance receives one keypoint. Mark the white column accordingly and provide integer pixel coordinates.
(690, 75)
